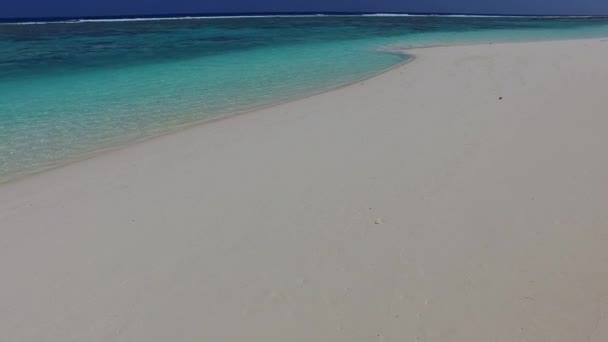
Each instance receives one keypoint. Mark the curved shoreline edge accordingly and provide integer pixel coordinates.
(179, 128)
(407, 52)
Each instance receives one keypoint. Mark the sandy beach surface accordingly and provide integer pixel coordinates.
(460, 197)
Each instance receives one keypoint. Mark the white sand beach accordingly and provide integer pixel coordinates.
(460, 197)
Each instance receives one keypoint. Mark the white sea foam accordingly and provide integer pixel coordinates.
(102, 20)
(475, 16)
(109, 20)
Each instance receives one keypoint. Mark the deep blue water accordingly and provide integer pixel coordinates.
(69, 89)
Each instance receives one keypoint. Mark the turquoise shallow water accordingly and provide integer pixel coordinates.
(69, 89)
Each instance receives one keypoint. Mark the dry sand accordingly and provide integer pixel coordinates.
(414, 206)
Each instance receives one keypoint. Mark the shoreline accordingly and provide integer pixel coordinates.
(179, 128)
(406, 51)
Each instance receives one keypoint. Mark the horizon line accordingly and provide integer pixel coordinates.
(228, 15)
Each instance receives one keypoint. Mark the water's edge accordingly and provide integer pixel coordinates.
(410, 57)
(190, 125)
(73, 91)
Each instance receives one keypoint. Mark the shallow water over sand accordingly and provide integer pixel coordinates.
(67, 90)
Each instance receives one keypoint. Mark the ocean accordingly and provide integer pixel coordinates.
(71, 88)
